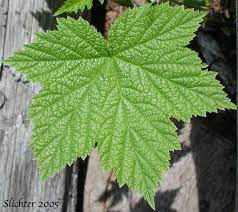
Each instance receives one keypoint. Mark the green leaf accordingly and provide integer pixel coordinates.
(75, 6)
(118, 94)
(126, 3)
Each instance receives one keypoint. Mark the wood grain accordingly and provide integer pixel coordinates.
(19, 174)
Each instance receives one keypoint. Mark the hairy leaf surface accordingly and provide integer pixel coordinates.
(119, 94)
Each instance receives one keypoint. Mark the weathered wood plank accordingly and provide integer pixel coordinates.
(19, 173)
(3, 21)
(200, 179)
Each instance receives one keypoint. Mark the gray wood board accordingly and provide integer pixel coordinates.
(199, 179)
(19, 175)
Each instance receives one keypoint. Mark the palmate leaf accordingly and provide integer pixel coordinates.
(74, 6)
(119, 94)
